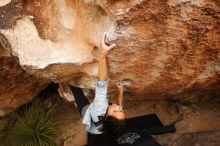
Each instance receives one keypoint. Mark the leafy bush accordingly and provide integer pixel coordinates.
(34, 126)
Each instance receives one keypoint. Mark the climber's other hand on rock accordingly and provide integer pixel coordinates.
(120, 86)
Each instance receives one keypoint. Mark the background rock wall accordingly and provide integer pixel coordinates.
(165, 48)
(17, 86)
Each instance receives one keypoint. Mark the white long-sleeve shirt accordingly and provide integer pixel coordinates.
(96, 109)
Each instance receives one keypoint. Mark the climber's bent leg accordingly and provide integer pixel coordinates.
(80, 99)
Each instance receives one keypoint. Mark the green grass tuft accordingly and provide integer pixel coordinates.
(34, 126)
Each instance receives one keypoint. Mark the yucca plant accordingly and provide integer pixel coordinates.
(34, 126)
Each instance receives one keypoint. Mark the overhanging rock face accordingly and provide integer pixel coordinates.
(17, 86)
(165, 49)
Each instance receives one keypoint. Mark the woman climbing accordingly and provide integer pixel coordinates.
(105, 123)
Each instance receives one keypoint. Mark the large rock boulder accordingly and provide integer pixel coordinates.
(17, 86)
(165, 48)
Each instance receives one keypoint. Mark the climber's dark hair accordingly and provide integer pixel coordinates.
(112, 127)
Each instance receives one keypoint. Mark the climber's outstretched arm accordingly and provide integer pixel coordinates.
(100, 103)
(120, 99)
(103, 50)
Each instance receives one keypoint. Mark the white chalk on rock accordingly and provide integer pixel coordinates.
(111, 34)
